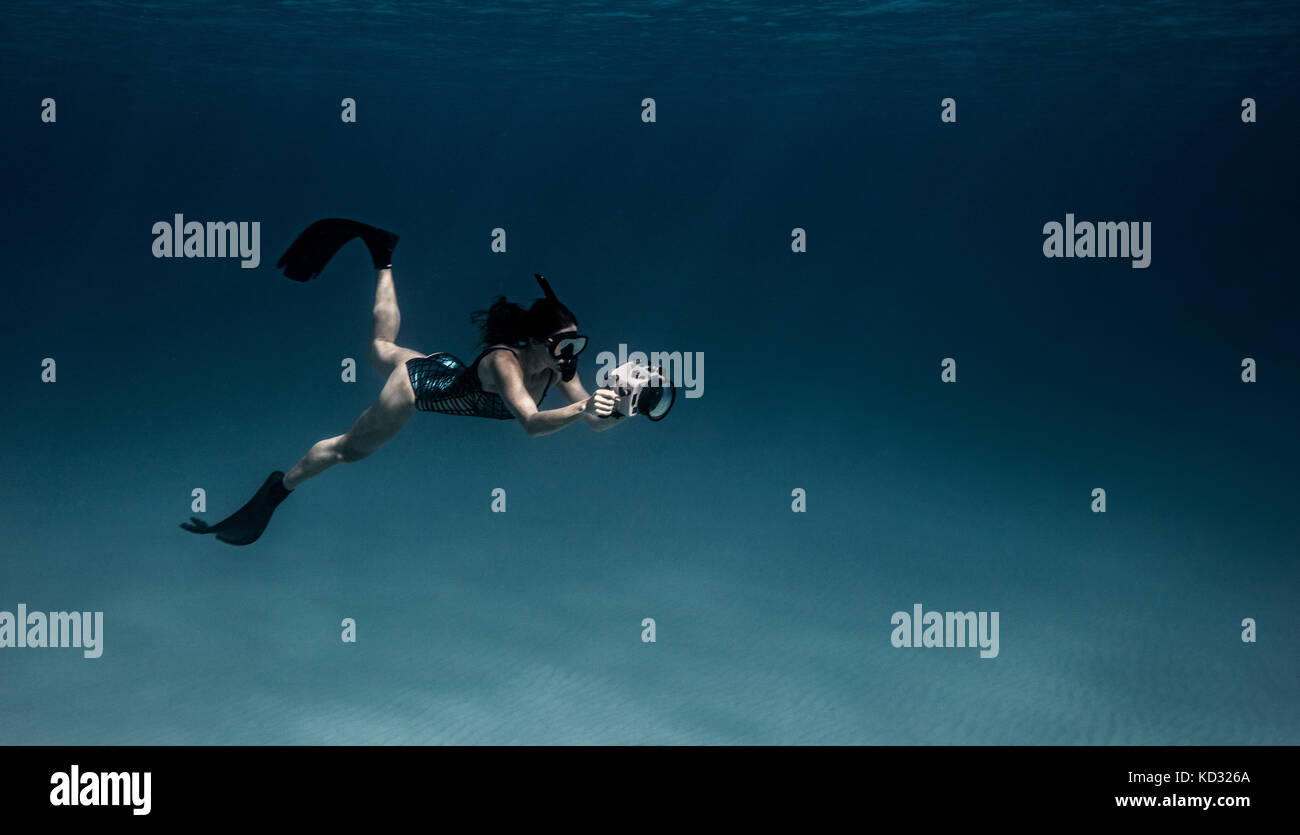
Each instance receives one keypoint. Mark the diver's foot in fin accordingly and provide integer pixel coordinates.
(245, 525)
(313, 249)
(381, 244)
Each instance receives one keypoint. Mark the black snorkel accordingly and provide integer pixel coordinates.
(546, 288)
(567, 359)
(568, 364)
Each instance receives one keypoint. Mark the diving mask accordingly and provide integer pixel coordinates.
(565, 347)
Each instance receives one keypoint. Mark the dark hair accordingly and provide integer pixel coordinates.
(506, 323)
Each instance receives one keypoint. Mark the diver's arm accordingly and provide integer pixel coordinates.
(500, 373)
(574, 392)
(540, 423)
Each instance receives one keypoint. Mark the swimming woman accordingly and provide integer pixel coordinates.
(527, 350)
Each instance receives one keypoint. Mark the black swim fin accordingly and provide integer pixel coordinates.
(245, 525)
(313, 249)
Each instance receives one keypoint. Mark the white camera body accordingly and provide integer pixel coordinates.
(642, 390)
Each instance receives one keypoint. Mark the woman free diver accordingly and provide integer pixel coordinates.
(526, 351)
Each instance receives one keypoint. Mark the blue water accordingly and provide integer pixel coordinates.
(821, 372)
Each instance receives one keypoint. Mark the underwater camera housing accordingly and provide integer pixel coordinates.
(642, 390)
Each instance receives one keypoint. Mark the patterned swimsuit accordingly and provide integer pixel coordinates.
(444, 384)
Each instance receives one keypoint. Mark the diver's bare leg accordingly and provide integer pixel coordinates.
(376, 426)
(385, 319)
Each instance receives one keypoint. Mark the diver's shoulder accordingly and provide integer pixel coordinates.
(496, 355)
(496, 359)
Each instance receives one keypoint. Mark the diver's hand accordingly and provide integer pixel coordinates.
(601, 404)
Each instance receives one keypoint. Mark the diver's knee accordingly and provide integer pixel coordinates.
(348, 452)
(381, 356)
